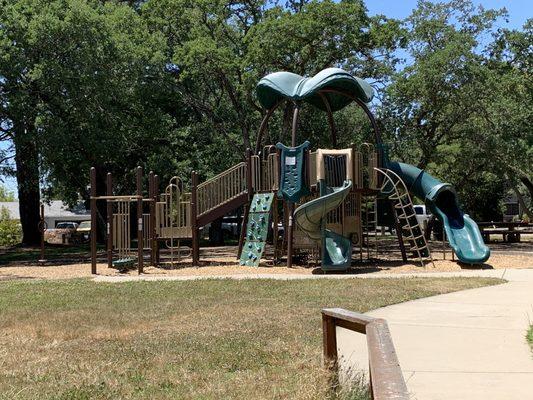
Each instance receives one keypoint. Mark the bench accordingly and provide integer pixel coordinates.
(506, 229)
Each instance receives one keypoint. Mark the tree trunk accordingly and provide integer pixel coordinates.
(101, 205)
(27, 163)
(528, 184)
(521, 199)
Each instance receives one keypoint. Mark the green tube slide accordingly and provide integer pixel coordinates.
(311, 219)
(462, 231)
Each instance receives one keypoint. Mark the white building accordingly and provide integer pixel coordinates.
(55, 212)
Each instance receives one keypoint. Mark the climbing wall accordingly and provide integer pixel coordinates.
(292, 182)
(257, 229)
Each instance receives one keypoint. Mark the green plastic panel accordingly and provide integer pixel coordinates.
(256, 229)
(292, 185)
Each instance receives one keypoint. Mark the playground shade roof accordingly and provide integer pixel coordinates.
(279, 85)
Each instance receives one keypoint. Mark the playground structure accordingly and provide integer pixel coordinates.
(327, 198)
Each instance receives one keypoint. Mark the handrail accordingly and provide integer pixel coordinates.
(221, 188)
(386, 378)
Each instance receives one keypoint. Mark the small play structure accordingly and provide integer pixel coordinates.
(325, 200)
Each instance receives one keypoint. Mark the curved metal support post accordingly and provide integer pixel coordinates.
(377, 134)
(295, 116)
(331, 121)
(263, 126)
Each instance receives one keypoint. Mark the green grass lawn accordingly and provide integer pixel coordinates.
(209, 339)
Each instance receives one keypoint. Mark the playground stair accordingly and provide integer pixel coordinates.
(222, 193)
(256, 229)
(405, 214)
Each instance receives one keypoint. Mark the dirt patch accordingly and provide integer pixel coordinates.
(222, 261)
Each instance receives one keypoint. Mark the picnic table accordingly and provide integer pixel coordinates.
(510, 231)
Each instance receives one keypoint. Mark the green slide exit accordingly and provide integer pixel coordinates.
(462, 231)
(310, 218)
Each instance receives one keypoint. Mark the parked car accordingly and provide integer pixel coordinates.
(84, 230)
(63, 233)
(423, 215)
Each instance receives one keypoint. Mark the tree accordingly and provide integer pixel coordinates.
(460, 108)
(6, 195)
(219, 51)
(79, 87)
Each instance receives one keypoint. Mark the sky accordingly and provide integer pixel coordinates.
(519, 11)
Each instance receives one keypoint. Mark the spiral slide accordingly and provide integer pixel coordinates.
(310, 218)
(462, 231)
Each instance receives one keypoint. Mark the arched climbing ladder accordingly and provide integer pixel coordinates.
(412, 234)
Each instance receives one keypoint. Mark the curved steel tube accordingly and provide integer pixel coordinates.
(377, 134)
(331, 121)
(264, 124)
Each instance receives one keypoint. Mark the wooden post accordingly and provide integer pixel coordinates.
(140, 244)
(156, 199)
(194, 222)
(329, 342)
(93, 220)
(109, 221)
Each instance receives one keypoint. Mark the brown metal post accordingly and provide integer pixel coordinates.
(291, 205)
(93, 220)
(329, 342)
(156, 199)
(249, 174)
(109, 192)
(140, 244)
(275, 220)
(194, 222)
(294, 124)
(242, 236)
(109, 204)
(331, 120)
(153, 239)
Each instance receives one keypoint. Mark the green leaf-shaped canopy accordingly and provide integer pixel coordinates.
(278, 85)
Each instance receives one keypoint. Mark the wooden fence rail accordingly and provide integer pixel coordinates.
(386, 379)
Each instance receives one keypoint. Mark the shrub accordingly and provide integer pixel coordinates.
(10, 232)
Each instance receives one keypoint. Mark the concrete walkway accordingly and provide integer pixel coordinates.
(463, 345)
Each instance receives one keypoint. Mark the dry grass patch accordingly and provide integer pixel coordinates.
(209, 339)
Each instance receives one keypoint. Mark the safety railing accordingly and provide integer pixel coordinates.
(369, 163)
(173, 212)
(147, 242)
(221, 188)
(312, 168)
(358, 169)
(386, 378)
(265, 173)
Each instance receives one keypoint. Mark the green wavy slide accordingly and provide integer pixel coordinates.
(311, 219)
(462, 232)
